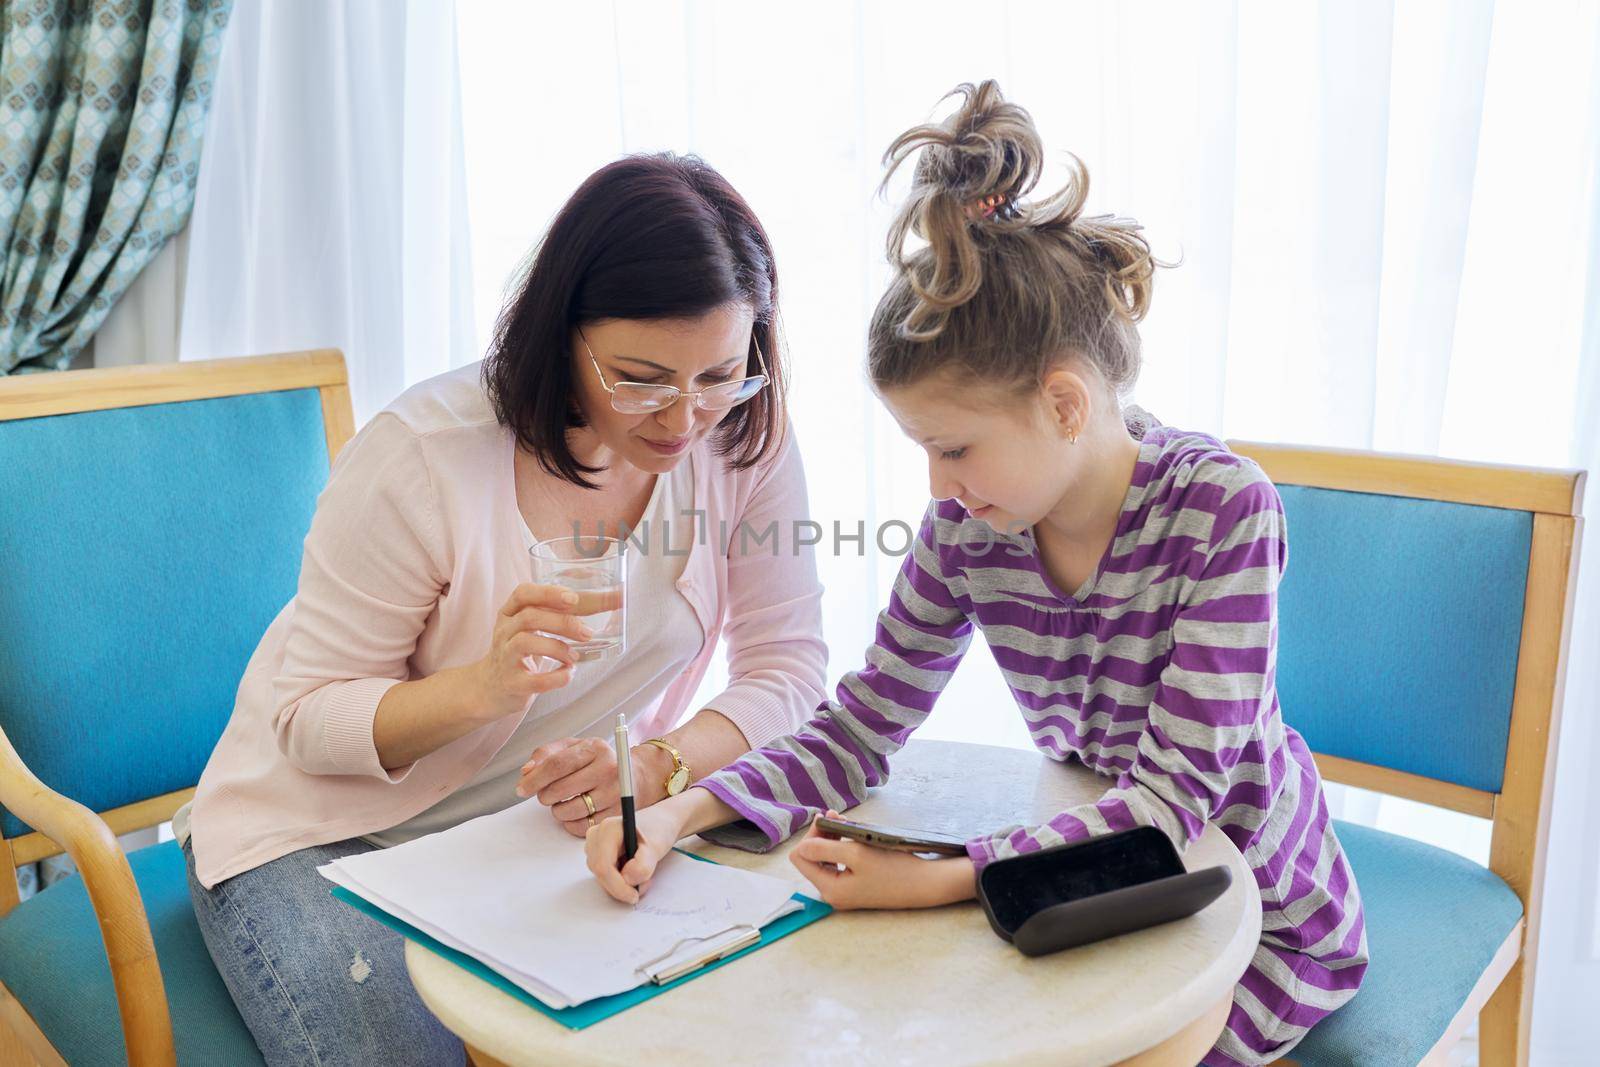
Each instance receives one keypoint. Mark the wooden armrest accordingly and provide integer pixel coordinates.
(135, 973)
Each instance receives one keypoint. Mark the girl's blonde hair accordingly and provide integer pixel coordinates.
(1005, 287)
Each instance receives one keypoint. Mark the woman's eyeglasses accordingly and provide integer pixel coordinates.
(640, 398)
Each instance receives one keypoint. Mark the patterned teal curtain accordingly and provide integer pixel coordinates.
(102, 111)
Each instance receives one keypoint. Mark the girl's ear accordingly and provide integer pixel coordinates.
(1069, 402)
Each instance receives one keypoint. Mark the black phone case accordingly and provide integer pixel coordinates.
(1074, 894)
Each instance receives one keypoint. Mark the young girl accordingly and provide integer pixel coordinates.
(1124, 573)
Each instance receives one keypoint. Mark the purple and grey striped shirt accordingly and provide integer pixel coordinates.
(1158, 672)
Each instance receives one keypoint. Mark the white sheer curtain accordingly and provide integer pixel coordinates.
(1386, 214)
(331, 209)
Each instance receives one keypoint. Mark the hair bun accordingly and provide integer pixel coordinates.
(974, 168)
(987, 148)
(1007, 285)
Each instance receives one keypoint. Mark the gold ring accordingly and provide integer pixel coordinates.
(588, 802)
(590, 819)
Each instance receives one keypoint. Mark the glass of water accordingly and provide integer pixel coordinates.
(596, 568)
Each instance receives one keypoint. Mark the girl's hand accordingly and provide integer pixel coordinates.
(659, 829)
(507, 677)
(560, 772)
(878, 877)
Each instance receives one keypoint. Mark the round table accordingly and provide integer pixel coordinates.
(910, 987)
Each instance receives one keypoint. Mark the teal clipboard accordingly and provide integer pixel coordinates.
(592, 1011)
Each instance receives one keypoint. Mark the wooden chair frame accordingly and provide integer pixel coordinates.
(1503, 998)
(63, 825)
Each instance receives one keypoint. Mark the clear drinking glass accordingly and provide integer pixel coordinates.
(596, 568)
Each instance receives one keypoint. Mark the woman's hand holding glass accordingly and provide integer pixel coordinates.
(530, 628)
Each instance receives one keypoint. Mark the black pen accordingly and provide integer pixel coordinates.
(630, 831)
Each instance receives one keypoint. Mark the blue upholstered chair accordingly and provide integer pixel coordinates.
(151, 523)
(1422, 635)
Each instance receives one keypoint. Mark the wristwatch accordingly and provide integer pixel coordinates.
(678, 780)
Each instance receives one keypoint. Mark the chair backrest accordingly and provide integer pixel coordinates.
(152, 525)
(1422, 631)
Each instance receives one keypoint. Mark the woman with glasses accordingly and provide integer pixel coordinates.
(421, 677)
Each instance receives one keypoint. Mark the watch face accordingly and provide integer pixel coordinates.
(678, 782)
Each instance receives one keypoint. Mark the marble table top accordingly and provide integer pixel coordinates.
(904, 987)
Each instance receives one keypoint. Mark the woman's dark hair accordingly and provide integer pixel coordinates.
(650, 237)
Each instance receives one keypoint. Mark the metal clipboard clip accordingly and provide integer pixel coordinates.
(717, 946)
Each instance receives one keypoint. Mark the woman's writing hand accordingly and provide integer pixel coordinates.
(526, 629)
(850, 874)
(659, 829)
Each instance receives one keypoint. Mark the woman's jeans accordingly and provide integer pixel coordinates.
(316, 981)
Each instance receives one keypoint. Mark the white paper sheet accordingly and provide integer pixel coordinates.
(512, 890)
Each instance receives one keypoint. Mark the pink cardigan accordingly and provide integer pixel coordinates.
(415, 546)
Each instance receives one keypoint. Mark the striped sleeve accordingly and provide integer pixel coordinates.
(1201, 751)
(844, 750)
